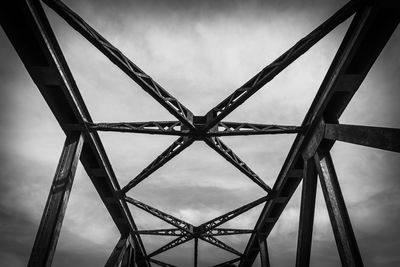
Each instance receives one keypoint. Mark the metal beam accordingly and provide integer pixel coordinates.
(376, 137)
(222, 149)
(340, 220)
(269, 72)
(212, 224)
(148, 127)
(196, 251)
(25, 22)
(167, 232)
(243, 128)
(307, 208)
(226, 231)
(169, 102)
(368, 33)
(118, 253)
(264, 257)
(173, 150)
(187, 227)
(174, 243)
(218, 243)
(56, 205)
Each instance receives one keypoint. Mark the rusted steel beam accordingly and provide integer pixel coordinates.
(244, 128)
(340, 220)
(25, 22)
(269, 72)
(169, 102)
(376, 137)
(56, 205)
(222, 149)
(264, 257)
(148, 127)
(173, 150)
(368, 33)
(307, 209)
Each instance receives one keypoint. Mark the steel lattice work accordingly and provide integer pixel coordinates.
(372, 25)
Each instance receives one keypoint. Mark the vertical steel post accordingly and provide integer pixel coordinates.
(262, 241)
(54, 211)
(306, 214)
(340, 220)
(196, 250)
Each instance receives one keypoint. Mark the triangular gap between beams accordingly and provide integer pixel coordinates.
(110, 94)
(286, 99)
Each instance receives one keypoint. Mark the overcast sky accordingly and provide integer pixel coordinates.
(200, 51)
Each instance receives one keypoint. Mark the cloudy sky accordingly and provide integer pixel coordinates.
(200, 51)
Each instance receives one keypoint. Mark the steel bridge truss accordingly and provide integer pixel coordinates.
(373, 22)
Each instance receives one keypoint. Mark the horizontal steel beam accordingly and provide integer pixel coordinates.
(161, 263)
(229, 263)
(376, 137)
(226, 231)
(168, 232)
(148, 127)
(244, 128)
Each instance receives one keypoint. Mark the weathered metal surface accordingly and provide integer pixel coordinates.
(56, 205)
(340, 220)
(376, 137)
(118, 253)
(307, 208)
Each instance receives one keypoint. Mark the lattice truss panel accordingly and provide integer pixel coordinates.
(25, 22)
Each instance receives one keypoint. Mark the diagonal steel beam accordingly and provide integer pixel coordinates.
(243, 128)
(168, 232)
(226, 231)
(269, 72)
(212, 224)
(174, 243)
(169, 102)
(178, 146)
(148, 127)
(222, 149)
(187, 227)
(218, 243)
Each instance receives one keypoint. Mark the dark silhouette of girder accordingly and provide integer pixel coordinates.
(24, 21)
